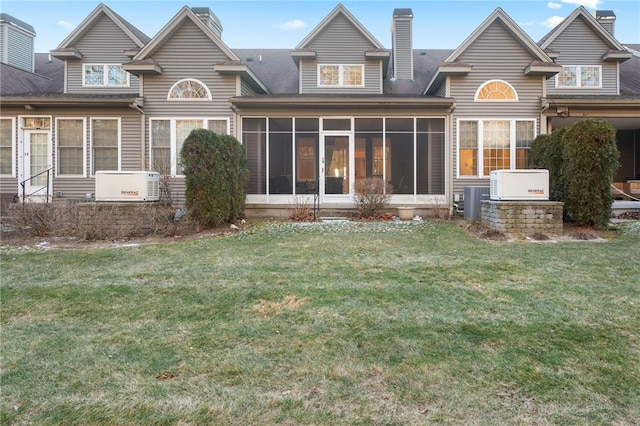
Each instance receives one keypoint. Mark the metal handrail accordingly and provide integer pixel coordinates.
(22, 184)
(316, 201)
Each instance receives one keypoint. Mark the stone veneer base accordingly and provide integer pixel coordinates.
(526, 217)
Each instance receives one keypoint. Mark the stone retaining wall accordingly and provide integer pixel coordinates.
(525, 217)
(111, 219)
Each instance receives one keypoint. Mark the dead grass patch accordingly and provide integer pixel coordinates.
(290, 302)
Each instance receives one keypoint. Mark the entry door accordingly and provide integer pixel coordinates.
(36, 159)
(337, 165)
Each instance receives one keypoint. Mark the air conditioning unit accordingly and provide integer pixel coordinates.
(519, 184)
(127, 186)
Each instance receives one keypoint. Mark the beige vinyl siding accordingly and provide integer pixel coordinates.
(340, 43)
(104, 43)
(579, 45)
(494, 55)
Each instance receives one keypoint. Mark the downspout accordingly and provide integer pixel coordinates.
(137, 106)
(543, 117)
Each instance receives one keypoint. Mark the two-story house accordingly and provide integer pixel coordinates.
(315, 119)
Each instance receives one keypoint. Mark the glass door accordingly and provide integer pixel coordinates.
(36, 161)
(337, 170)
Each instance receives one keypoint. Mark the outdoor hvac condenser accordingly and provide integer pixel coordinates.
(532, 184)
(127, 186)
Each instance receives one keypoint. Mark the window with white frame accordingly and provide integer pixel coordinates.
(70, 146)
(105, 144)
(487, 145)
(579, 76)
(340, 75)
(168, 135)
(104, 75)
(496, 90)
(6, 146)
(189, 90)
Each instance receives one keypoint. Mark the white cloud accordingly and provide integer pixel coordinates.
(591, 4)
(64, 24)
(553, 5)
(527, 24)
(553, 21)
(293, 25)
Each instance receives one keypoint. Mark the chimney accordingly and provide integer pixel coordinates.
(402, 44)
(607, 19)
(209, 19)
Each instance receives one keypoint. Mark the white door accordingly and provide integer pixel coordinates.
(335, 182)
(36, 164)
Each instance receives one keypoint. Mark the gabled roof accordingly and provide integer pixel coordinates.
(581, 12)
(541, 63)
(185, 14)
(143, 61)
(339, 9)
(67, 46)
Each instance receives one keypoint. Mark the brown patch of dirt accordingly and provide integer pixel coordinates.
(570, 233)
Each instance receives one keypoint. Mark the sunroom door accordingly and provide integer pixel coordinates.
(336, 169)
(36, 160)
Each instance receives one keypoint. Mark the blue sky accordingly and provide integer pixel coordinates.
(283, 24)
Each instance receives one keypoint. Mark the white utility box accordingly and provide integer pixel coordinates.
(529, 184)
(127, 186)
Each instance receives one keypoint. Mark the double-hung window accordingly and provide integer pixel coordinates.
(340, 75)
(70, 133)
(167, 138)
(7, 156)
(104, 75)
(487, 145)
(105, 144)
(579, 76)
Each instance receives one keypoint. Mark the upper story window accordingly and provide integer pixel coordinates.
(579, 76)
(104, 75)
(189, 90)
(340, 75)
(496, 90)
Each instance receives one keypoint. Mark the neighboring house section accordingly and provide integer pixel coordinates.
(591, 82)
(315, 120)
(17, 40)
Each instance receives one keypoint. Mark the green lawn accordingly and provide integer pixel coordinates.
(353, 324)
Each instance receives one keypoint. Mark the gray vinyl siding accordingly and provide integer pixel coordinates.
(245, 89)
(78, 186)
(188, 54)
(579, 45)
(494, 55)
(340, 43)
(104, 43)
(18, 50)
(402, 50)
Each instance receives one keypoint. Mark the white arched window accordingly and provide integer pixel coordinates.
(496, 91)
(189, 89)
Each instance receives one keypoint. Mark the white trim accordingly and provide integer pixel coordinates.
(84, 146)
(174, 154)
(105, 76)
(340, 76)
(91, 162)
(578, 85)
(206, 88)
(480, 146)
(476, 99)
(13, 146)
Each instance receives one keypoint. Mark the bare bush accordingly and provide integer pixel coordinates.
(302, 210)
(371, 197)
(101, 221)
(440, 210)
